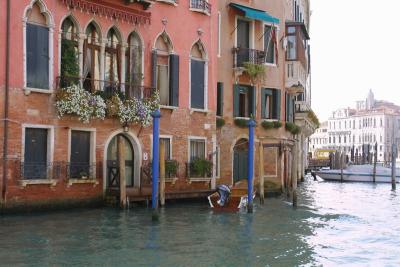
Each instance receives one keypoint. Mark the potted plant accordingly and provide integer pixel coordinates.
(171, 168)
(201, 167)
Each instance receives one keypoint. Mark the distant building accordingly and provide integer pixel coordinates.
(373, 121)
(319, 140)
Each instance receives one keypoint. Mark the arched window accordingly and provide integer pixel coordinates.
(112, 70)
(133, 67)
(91, 58)
(197, 76)
(69, 53)
(37, 48)
(165, 67)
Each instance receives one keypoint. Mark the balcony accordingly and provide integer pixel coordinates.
(106, 89)
(247, 55)
(201, 6)
(296, 76)
(305, 118)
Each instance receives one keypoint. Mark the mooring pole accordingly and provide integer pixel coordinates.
(261, 172)
(375, 160)
(122, 176)
(155, 164)
(341, 166)
(394, 155)
(250, 166)
(162, 173)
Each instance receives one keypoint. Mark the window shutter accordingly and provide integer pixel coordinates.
(220, 98)
(154, 68)
(264, 93)
(37, 63)
(197, 84)
(236, 90)
(252, 101)
(174, 80)
(278, 104)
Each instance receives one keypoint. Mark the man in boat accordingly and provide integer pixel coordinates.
(224, 192)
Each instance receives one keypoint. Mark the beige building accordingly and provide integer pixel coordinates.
(263, 73)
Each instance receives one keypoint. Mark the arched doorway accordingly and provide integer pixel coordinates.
(112, 171)
(240, 154)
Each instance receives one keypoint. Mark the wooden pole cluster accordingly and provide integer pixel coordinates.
(375, 160)
(394, 148)
(341, 165)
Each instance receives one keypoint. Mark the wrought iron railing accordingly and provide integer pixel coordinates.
(40, 170)
(106, 88)
(244, 55)
(202, 5)
(84, 171)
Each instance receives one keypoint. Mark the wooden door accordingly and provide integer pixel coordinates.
(80, 155)
(113, 173)
(243, 41)
(35, 156)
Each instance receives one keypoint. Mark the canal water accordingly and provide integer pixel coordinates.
(335, 225)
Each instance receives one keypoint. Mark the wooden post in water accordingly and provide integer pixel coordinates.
(294, 173)
(375, 160)
(394, 148)
(162, 173)
(341, 166)
(261, 172)
(122, 181)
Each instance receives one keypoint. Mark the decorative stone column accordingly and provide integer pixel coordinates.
(81, 41)
(102, 61)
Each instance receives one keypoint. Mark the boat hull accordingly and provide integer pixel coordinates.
(234, 204)
(355, 177)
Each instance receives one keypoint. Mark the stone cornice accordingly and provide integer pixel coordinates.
(106, 9)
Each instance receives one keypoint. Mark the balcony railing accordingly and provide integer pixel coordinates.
(84, 171)
(106, 88)
(201, 5)
(243, 55)
(40, 170)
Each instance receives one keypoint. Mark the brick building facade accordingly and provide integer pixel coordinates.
(119, 47)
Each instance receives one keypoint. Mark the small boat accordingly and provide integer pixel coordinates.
(360, 173)
(230, 199)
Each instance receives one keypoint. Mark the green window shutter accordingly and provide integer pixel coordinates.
(220, 98)
(174, 80)
(278, 104)
(236, 90)
(252, 101)
(154, 68)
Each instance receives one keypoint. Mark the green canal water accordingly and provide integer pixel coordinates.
(334, 225)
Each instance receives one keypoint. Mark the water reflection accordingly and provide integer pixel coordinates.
(334, 224)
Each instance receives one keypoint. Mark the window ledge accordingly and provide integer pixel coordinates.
(200, 11)
(27, 182)
(242, 118)
(205, 111)
(83, 181)
(171, 180)
(270, 65)
(170, 2)
(168, 107)
(272, 120)
(28, 91)
(200, 179)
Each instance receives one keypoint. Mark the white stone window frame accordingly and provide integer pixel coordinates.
(49, 152)
(92, 160)
(50, 24)
(205, 59)
(197, 138)
(277, 30)
(170, 137)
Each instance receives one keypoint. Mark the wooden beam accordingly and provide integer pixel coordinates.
(261, 173)
(122, 181)
(162, 173)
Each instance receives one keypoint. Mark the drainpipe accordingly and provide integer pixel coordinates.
(7, 85)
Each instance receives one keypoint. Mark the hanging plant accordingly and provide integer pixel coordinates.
(292, 128)
(313, 117)
(220, 122)
(241, 123)
(256, 72)
(77, 101)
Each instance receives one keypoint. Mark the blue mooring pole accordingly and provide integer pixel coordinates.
(250, 166)
(156, 162)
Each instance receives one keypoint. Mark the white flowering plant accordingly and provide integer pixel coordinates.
(75, 100)
(87, 106)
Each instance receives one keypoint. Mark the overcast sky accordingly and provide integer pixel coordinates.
(355, 47)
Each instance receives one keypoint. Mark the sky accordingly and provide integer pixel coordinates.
(355, 47)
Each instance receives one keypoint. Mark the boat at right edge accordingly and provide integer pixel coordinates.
(360, 173)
